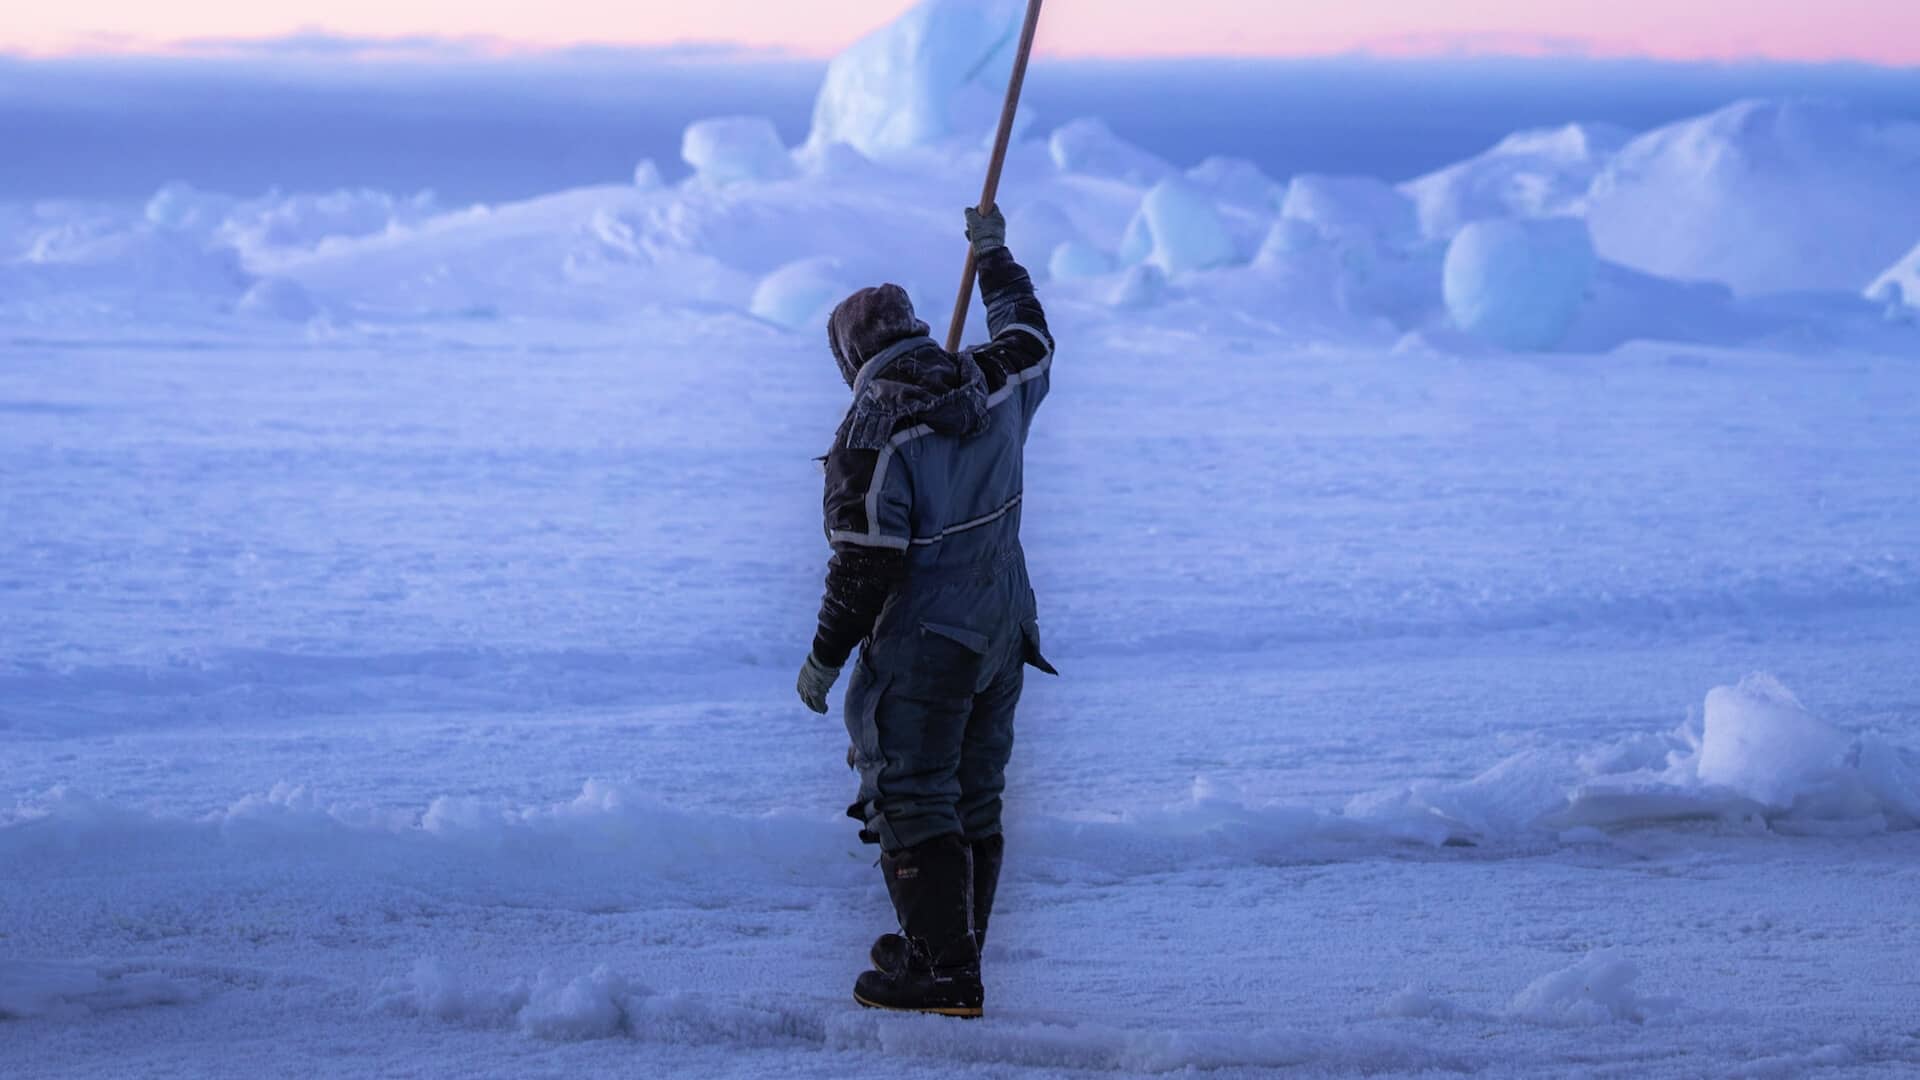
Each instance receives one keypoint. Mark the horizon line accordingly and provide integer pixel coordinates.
(321, 44)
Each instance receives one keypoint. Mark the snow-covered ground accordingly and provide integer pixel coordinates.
(399, 605)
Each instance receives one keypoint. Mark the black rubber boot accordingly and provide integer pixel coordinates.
(932, 890)
(987, 855)
(891, 952)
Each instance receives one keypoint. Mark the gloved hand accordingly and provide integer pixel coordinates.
(986, 231)
(816, 679)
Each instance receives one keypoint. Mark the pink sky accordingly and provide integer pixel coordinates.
(1885, 31)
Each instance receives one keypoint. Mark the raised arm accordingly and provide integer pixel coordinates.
(1022, 346)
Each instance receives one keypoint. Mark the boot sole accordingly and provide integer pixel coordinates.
(962, 1012)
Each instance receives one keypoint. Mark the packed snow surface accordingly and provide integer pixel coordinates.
(1503, 654)
(436, 717)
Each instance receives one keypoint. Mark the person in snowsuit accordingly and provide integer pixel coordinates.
(922, 508)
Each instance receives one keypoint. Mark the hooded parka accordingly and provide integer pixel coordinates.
(922, 509)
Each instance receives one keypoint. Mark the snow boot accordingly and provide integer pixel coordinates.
(891, 952)
(931, 885)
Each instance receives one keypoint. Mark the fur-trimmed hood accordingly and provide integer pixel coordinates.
(916, 382)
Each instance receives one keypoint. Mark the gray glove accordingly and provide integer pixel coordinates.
(986, 231)
(816, 679)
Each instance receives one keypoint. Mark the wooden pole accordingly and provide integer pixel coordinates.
(1000, 141)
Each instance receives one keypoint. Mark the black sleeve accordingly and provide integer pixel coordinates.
(859, 580)
(867, 562)
(1021, 343)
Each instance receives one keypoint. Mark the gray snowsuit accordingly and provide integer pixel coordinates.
(922, 508)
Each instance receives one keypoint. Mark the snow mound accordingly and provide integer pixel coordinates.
(836, 161)
(1350, 270)
(277, 298)
(1760, 742)
(936, 72)
(1088, 147)
(735, 149)
(1758, 759)
(1178, 229)
(264, 227)
(1518, 284)
(1074, 259)
(1597, 990)
(182, 206)
(800, 294)
(1541, 173)
(602, 1004)
(1352, 206)
(1762, 756)
(605, 1004)
(141, 268)
(1040, 226)
(66, 991)
(1900, 285)
(1766, 196)
(1143, 287)
(1237, 182)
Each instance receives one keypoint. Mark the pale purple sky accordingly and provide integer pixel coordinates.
(1885, 31)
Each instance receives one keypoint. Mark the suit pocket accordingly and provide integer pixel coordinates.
(863, 715)
(1030, 632)
(946, 662)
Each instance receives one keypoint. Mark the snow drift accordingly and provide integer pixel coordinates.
(1088, 147)
(1597, 990)
(1900, 285)
(733, 150)
(30, 988)
(1530, 174)
(1765, 196)
(1757, 757)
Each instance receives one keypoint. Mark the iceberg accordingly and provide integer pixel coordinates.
(936, 72)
